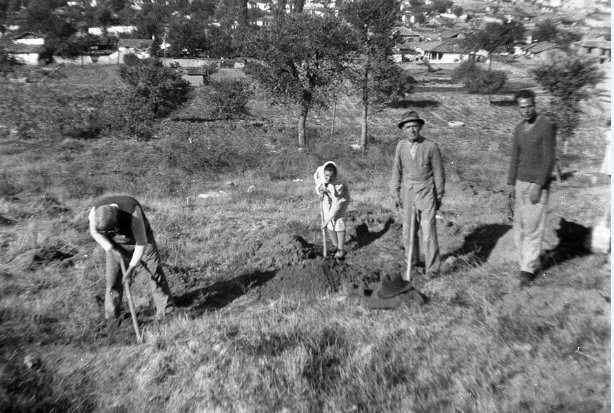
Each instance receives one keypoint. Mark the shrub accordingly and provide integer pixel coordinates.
(229, 98)
(131, 60)
(478, 80)
(486, 82)
(159, 87)
(463, 71)
(130, 113)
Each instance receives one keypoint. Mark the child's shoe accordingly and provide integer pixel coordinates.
(340, 254)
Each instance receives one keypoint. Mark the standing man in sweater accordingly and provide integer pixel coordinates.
(119, 225)
(417, 185)
(528, 180)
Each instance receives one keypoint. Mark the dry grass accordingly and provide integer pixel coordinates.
(480, 345)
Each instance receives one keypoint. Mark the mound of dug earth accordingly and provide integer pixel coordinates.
(284, 250)
(310, 279)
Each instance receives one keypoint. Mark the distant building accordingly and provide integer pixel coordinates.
(600, 49)
(264, 21)
(28, 54)
(444, 51)
(405, 35)
(542, 50)
(139, 47)
(97, 31)
(29, 38)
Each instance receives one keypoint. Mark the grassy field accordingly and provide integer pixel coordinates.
(480, 344)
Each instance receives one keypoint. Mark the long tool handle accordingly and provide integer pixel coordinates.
(135, 322)
(321, 224)
(412, 240)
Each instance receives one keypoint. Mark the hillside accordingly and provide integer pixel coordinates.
(268, 324)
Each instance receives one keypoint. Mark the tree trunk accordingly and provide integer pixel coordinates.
(364, 128)
(301, 127)
(332, 127)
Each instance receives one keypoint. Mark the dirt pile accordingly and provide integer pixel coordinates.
(284, 250)
(310, 279)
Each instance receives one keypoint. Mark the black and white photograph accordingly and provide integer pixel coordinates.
(305, 206)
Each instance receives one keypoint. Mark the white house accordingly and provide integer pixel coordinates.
(29, 38)
(444, 51)
(24, 53)
(97, 31)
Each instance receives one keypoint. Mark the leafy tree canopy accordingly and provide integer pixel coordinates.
(298, 59)
(161, 87)
(567, 79)
(186, 37)
(549, 31)
(297, 56)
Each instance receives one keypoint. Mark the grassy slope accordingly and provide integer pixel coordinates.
(480, 345)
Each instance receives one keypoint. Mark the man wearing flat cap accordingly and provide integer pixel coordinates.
(417, 185)
(119, 225)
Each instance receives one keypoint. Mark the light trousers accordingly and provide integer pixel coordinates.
(529, 225)
(427, 222)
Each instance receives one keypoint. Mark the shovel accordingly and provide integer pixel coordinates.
(321, 224)
(412, 240)
(135, 322)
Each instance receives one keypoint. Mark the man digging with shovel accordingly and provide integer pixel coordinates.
(119, 225)
(417, 185)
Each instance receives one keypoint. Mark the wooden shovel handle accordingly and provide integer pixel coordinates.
(135, 322)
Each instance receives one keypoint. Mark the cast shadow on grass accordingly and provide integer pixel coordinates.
(481, 241)
(364, 237)
(407, 104)
(573, 241)
(222, 293)
(502, 102)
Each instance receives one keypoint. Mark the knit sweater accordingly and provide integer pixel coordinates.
(533, 153)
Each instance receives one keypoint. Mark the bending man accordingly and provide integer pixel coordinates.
(120, 227)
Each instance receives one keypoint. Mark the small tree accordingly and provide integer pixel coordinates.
(162, 88)
(228, 98)
(548, 31)
(567, 79)
(298, 59)
(495, 35)
(374, 75)
(186, 37)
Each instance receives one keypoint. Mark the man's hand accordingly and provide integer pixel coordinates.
(128, 275)
(322, 191)
(535, 194)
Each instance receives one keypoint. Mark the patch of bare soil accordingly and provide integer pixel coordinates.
(373, 242)
(310, 279)
(283, 250)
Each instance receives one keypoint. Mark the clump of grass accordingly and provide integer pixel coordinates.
(29, 384)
